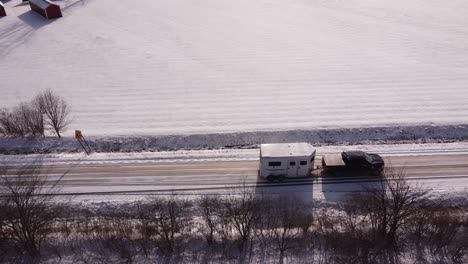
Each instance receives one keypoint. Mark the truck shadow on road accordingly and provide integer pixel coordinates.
(319, 187)
(337, 188)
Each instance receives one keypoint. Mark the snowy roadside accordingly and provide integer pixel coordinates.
(224, 154)
(241, 140)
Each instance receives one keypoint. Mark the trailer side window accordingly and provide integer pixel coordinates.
(303, 162)
(292, 163)
(274, 163)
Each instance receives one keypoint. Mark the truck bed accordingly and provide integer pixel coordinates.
(333, 160)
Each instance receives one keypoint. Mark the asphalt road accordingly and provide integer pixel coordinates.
(442, 173)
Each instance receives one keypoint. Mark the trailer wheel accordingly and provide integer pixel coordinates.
(281, 178)
(271, 178)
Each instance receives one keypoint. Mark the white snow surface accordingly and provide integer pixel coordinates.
(155, 67)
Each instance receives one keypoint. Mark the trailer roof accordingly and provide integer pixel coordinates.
(278, 150)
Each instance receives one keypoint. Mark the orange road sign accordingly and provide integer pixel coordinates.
(78, 134)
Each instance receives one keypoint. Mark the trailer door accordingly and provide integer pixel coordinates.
(292, 168)
(303, 168)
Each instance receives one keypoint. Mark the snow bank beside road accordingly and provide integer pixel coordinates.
(379, 135)
(222, 154)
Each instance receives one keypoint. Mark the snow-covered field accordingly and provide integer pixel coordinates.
(156, 67)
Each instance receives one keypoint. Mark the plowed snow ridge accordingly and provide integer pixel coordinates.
(192, 66)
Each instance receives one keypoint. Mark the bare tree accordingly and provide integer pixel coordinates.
(243, 214)
(390, 205)
(23, 120)
(56, 110)
(31, 118)
(211, 217)
(444, 231)
(27, 207)
(12, 123)
(282, 222)
(169, 220)
(111, 234)
(3, 113)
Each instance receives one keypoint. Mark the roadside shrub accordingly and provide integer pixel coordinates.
(28, 211)
(242, 227)
(168, 222)
(282, 221)
(14, 123)
(211, 215)
(439, 231)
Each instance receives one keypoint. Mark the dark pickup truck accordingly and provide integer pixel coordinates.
(351, 162)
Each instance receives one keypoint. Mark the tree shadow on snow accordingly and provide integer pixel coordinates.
(21, 4)
(75, 4)
(11, 36)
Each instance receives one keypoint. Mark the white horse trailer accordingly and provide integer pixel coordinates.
(286, 160)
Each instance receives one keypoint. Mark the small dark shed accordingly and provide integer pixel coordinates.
(2, 9)
(46, 8)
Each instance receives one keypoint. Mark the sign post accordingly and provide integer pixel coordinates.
(84, 144)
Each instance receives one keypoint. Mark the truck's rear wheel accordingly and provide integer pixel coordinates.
(281, 178)
(271, 178)
(377, 172)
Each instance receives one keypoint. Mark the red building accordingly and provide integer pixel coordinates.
(46, 8)
(2, 9)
